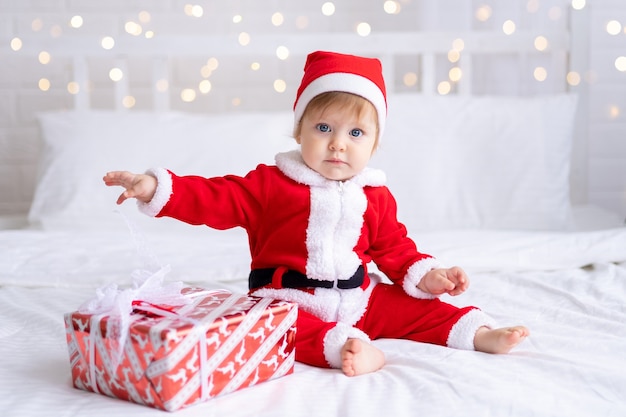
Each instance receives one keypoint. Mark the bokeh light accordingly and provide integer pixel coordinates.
(573, 78)
(73, 87)
(188, 95)
(128, 102)
(508, 27)
(614, 27)
(280, 86)
(540, 74)
(16, 44)
(44, 84)
(620, 63)
(116, 74)
(278, 19)
(483, 13)
(107, 42)
(541, 43)
(44, 57)
(409, 79)
(282, 52)
(444, 88)
(363, 29)
(328, 8)
(391, 7)
(76, 21)
(205, 86)
(244, 39)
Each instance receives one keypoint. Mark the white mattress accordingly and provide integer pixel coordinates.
(568, 288)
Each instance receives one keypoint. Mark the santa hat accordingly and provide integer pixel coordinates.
(331, 71)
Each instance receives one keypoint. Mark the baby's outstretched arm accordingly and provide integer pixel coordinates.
(453, 281)
(139, 186)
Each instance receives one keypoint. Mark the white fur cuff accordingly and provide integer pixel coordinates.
(414, 276)
(161, 195)
(335, 339)
(462, 333)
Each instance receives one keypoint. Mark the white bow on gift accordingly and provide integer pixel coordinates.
(117, 304)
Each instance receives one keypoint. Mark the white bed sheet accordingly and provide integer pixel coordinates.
(568, 287)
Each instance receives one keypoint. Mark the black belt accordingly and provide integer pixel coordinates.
(294, 279)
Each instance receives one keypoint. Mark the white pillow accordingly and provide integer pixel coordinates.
(451, 162)
(80, 147)
(479, 162)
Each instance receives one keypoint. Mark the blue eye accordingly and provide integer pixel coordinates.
(356, 133)
(323, 127)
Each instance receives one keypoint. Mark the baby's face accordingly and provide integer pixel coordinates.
(336, 142)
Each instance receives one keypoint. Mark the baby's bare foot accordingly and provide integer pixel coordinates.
(359, 357)
(499, 340)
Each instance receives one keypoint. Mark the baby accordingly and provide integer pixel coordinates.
(317, 218)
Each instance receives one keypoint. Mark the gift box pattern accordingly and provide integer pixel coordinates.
(176, 357)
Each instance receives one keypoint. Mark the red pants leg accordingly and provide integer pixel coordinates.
(319, 343)
(310, 339)
(392, 313)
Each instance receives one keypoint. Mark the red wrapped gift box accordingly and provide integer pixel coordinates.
(174, 357)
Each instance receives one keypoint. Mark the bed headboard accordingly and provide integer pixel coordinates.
(426, 62)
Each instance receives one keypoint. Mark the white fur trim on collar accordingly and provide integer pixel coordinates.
(292, 165)
(335, 220)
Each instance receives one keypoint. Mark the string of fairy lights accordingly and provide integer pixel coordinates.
(141, 27)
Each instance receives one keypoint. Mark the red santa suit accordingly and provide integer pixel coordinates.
(323, 233)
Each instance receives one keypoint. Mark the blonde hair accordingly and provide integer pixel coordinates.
(348, 101)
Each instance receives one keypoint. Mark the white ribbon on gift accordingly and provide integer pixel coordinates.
(117, 304)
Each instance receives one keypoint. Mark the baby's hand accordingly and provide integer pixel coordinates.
(139, 186)
(453, 281)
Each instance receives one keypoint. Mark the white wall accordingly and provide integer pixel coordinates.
(600, 176)
(607, 107)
